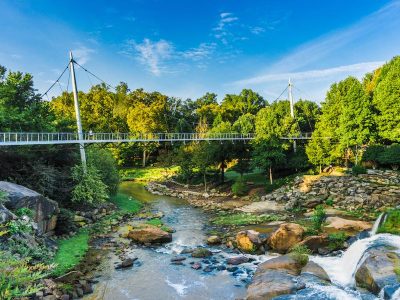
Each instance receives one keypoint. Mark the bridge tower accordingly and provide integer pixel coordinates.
(77, 112)
(292, 109)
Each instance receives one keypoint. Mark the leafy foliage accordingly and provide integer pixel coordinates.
(357, 170)
(89, 188)
(239, 188)
(336, 240)
(18, 278)
(318, 218)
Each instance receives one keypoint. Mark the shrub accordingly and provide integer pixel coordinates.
(89, 188)
(105, 163)
(318, 218)
(19, 279)
(19, 226)
(300, 254)
(391, 156)
(372, 154)
(329, 202)
(239, 188)
(336, 240)
(3, 197)
(357, 170)
(24, 211)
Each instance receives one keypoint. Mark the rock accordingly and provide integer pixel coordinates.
(284, 262)
(248, 240)
(187, 251)
(207, 269)
(196, 266)
(378, 269)
(201, 253)
(69, 277)
(272, 283)
(50, 297)
(232, 269)
(316, 270)
(340, 224)
(262, 207)
(6, 215)
(65, 297)
(315, 242)
(150, 235)
(285, 237)
(178, 258)
(126, 263)
(214, 240)
(45, 210)
(237, 260)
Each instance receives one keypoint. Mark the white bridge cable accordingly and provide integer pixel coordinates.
(55, 82)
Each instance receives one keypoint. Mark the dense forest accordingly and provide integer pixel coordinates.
(354, 116)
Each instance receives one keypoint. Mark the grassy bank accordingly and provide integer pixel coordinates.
(70, 252)
(148, 173)
(126, 204)
(242, 219)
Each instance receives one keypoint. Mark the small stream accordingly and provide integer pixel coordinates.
(153, 276)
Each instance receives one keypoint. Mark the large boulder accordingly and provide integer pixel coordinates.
(350, 226)
(150, 235)
(285, 237)
(378, 270)
(249, 240)
(6, 215)
(315, 242)
(316, 270)
(275, 277)
(45, 210)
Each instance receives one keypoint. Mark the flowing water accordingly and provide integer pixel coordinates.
(153, 276)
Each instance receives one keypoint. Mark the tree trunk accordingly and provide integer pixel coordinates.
(222, 174)
(205, 182)
(320, 169)
(144, 159)
(270, 175)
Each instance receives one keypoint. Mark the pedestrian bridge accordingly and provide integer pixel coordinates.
(54, 138)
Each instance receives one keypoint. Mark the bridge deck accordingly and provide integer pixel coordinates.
(53, 138)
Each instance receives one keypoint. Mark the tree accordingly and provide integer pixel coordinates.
(202, 159)
(267, 155)
(89, 189)
(306, 113)
(391, 156)
(386, 97)
(318, 150)
(372, 154)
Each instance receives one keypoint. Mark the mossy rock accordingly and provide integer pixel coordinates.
(201, 253)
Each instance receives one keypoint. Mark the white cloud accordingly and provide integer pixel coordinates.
(203, 51)
(222, 29)
(353, 69)
(82, 54)
(257, 30)
(152, 54)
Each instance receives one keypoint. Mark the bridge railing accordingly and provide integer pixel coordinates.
(31, 138)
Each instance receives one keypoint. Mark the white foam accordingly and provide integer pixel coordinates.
(180, 288)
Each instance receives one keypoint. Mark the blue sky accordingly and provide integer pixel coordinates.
(187, 48)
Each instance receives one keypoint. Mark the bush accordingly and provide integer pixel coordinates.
(300, 254)
(19, 279)
(372, 154)
(329, 202)
(89, 188)
(105, 163)
(318, 218)
(24, 211)
(357, 170)
(391, 156)
(239, 188)
(336, 240)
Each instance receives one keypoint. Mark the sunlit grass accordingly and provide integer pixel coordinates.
(148, 173)
(126, 203)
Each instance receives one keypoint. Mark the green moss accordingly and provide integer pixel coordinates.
(392, 222)
(243, 219)
(70, 252)
(155, 222)
(126, 203)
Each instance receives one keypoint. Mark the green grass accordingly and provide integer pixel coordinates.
(126, 203)
(243, 219)
(257, 177)
(392, 222)
(148, 173)
(70, 252)
(155, 222)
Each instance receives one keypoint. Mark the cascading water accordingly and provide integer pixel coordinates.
(378, 223)
(342, 269)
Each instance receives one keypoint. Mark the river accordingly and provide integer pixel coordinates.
(153, 277)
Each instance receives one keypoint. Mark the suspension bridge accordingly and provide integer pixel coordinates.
(82, 138)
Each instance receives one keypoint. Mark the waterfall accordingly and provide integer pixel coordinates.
(341, 269)
(378, 223)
